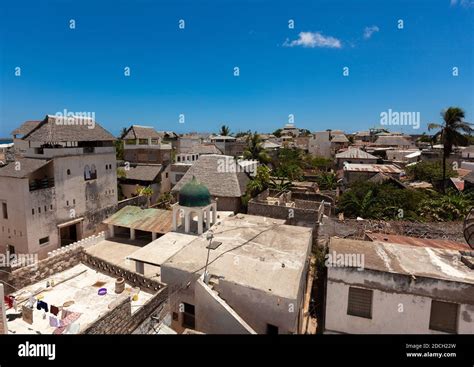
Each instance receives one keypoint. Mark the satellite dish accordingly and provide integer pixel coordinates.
(468, 228)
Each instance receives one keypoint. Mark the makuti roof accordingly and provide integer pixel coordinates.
(221, 174)
(68, 129)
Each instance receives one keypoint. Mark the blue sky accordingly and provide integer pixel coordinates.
(190, 71)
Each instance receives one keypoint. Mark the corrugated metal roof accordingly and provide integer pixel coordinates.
(355, 153)
(149, 220)
(384, 168)
(415, 241)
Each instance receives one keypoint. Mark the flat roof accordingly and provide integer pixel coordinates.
(80, 285)
(256, 252)
(406, 259)
(160, 250)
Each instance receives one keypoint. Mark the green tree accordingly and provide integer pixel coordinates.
(451, 206)
(429, 171)
(259, 182)
(147, 192)
(280, 184)
(225, 130)
(327, 181)
(254, 149)
(290, 164)
(277, 133)
(451, 132)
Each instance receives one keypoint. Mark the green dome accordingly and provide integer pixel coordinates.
(194, 194)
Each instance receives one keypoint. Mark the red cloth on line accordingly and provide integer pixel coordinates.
(8, 300)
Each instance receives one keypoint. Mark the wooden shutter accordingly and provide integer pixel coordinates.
(360, 302)
(444, 316)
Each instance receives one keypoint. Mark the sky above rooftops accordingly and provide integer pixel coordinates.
(282, 71)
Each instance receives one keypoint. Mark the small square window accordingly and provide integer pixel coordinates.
(44, 241)
(360, 302)
(444, 316)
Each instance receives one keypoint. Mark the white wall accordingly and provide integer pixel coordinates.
(89, 197)
(214, 316)
(393, 312)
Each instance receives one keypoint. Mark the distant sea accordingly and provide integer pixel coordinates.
(5, 141)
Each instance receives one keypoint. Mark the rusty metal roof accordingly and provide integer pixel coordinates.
(415, 241)
(149, 220)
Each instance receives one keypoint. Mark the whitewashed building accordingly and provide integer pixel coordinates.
(386, 288)
(60, 186)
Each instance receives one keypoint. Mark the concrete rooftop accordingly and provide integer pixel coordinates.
(80, 287)
(256, 252)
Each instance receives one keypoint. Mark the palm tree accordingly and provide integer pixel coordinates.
(255, 149)
(146, 192)
(327, 181)
(260, 182)
(362, 207)
(225, 130)
(123, 131)
(451, 133)
(280, 183)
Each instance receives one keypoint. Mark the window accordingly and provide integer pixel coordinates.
(43, 241)
(272, 329)
(87, 173)
(360, 302)
(39, 210)
(33, 211)
(73, 201)
(93, 172)
(67, 202)
(444, 316)
(5, 210)
(68, 172)
(188, 316)
(90, 173)
(166, 175)
(143, 141)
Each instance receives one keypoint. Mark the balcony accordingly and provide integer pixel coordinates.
(44, 183)
(67, 151)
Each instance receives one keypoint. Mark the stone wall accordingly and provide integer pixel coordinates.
(282, 212)
(27, 275)
(140, 201)
(137, 280)
(120, 320)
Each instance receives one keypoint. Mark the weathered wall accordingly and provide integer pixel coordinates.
(228, 204)
(44, 269)
(120, 320)
(400, 307)
(13, 231)
(256, 307)
(214, 316)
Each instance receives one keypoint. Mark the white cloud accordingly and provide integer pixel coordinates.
(463, 3)
(312, 40)
(369, 31)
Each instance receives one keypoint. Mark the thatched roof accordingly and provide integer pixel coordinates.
(219, 173)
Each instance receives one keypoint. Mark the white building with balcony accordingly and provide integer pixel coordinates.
(61, 185)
